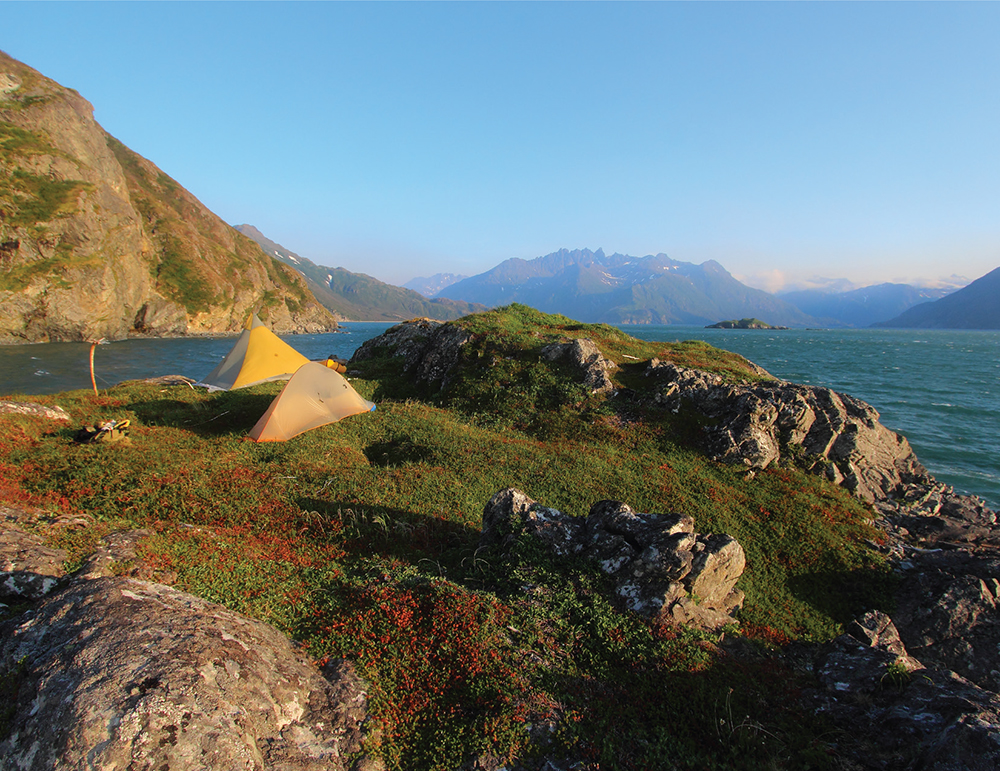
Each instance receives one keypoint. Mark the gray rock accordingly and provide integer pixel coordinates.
(947, 614)
(892, 712)
(510, 509)
(429, 349)
(757, 424)
(115, 550)
(119, 673)
(29, 569)
(584, 354)
(661, 568)
(31, 408)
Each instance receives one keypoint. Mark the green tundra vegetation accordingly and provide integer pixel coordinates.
(360, 540)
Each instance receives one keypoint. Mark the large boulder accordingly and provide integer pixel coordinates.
(594, 367)
(757, 424)
(120, 673)
(429, 349)
(662, 569)
(890, 712)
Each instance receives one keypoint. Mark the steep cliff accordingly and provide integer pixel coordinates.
(96, 241)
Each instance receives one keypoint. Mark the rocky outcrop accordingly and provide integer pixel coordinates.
(662, 568)
(583, 353)
(167, 680)
(757, 424)
(892, 712)
(114, 672)
(947, 611)
(97, 242)
(429, 349)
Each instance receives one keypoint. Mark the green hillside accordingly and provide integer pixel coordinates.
(360, 540)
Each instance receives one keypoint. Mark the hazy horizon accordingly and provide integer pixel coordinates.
(787, 141)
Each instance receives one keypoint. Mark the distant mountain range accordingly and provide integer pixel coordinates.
(976, 306)
(861, 307)
(97, 242)
(621, 289)
(432, 286)
(357, 297)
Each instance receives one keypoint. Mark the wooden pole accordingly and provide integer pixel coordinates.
(93, 380)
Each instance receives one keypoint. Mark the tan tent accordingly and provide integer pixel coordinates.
(315, 395)
(258, 356)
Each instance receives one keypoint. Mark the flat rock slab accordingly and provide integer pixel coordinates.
(28, 568)
(31, 408)
(119, 673)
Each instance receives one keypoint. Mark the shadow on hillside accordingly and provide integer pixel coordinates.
(394, 533)
(230, 414)
(846, 594)
(396, 452)
(696, 707)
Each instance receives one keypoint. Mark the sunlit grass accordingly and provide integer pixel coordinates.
(360, 539)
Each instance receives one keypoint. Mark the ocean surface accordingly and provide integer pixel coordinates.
(939, 388)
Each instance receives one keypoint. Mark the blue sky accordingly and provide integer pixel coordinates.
(784, 140)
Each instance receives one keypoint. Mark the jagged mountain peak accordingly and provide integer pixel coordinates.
(620, 288)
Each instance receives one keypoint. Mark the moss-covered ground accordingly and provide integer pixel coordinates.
(360, 540)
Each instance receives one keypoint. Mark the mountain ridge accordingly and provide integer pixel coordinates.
(975, 306)
(864, 306)
(358, 296)
(622, 289)
(431, 286)
(98, 242)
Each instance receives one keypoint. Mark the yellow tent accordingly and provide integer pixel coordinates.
(314, 396)
(258, 356)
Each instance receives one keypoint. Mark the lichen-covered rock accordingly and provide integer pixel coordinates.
(119, 673)
(661, 567)
(894, 713)
(509, 510)
(948, 611)
(756, 424)
(33, 409)
(29, 569)
(429, 349)
(584, 354)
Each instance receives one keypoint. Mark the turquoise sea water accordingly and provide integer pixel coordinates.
(48, 368)
(939, 388)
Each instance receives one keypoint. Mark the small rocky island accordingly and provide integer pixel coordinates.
(742, 324)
